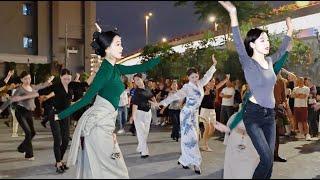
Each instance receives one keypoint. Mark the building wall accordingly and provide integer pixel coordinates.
(14, 25)
(44, 28)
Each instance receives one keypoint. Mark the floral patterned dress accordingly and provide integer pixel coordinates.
(190, 153)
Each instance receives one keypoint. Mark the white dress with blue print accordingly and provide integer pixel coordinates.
(190, 153)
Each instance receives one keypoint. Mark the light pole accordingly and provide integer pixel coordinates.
(147, 17)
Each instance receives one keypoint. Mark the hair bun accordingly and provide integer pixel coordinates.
(95, 45)
(96, 35)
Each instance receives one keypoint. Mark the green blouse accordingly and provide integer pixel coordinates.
(107, 84)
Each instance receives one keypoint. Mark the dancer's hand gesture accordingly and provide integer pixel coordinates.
(50, 79)
(214, 60)
(228, 76)
(289, 26)
(229, 7)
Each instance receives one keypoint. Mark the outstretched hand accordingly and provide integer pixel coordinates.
(289, 23)
(228, 6)
(50, 79)
(228, 76)
(214, 61)
(289, 26)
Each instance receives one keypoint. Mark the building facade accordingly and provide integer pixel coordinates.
(47, 32)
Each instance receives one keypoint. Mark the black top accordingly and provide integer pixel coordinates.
(291, 100)
(62, 99)
(155, 91)
(79, 88)
(163, 94)
(141, 99)
(208, 100)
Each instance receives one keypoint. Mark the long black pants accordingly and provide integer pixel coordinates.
(175, 116)
(60, 133)
(25, 119)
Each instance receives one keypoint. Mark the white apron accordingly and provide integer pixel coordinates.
(96, 125)
(241, 158)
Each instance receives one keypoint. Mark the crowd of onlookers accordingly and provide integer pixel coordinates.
(297, 103)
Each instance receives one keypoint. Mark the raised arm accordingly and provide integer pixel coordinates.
(10, 73)
(218, 86)
(180, 94)
(285, 42)
(139, 68)
(237, 40)
(208, 76)
(43, 85)
(103, 75)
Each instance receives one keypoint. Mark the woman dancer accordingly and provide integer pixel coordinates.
(24, 96)
(61, 94)
(193, 92)
(207, 111)
(174, 112)
(241, 158)
(259, 115)
(100, 155)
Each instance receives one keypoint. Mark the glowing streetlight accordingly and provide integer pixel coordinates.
(212, 19)
(164, 40)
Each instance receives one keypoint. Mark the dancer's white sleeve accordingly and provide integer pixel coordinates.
(207, 77)
(182, 93)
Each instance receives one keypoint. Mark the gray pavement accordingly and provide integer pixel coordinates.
(303, 158)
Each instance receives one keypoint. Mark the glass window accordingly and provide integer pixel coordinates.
(26, 9)
(27, 42)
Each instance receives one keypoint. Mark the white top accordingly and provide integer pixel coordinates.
(298, 102)
(228, 101)
(124, 99)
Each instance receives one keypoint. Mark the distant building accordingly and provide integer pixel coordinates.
(35, 31)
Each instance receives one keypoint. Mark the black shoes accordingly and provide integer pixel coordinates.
(279, 159)
(197, 170)
(184, 167)
(61, 169)
(44, 124)
(144, 156)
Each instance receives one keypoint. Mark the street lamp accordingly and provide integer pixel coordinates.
(212, 19)
(147, 17)
(164, 40)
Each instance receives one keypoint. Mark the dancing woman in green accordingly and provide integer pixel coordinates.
(99, 156)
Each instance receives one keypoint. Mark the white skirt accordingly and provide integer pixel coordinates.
(207, 115)
(94, 161)
(241, 157)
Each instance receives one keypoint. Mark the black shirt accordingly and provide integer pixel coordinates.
(62, 99)
(79, 88)
(208, 100)
(141, 99)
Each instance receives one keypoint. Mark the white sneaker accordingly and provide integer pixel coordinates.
(121, 131)
(163, 124)
(308, 137)
(300, 136)
(14, 135)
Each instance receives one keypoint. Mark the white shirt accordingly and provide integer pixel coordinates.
(124, 99)
(301, 102)
(228, 101)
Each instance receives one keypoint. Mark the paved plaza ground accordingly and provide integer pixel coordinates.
(303, 157)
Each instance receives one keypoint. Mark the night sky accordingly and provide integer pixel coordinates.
(167, 20)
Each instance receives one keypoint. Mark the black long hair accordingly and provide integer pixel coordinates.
(252, 35)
